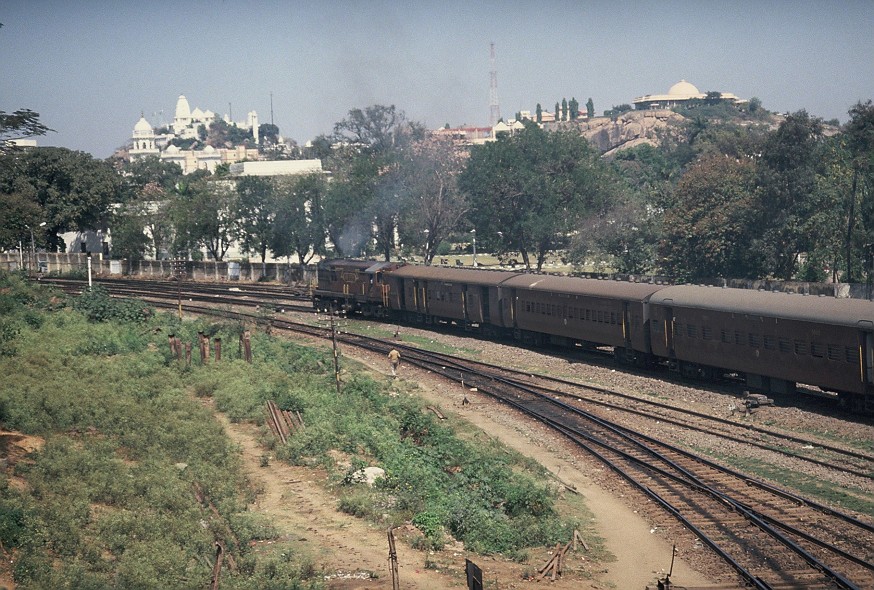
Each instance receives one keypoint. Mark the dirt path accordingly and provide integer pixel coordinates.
(296, 502)
(351, 552)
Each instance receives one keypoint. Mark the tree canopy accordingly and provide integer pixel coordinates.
(534, 187)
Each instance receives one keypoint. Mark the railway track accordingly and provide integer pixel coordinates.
(769, 538)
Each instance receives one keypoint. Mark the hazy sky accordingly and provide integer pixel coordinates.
(90, 67)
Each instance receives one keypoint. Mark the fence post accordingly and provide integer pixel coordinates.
(393, 558)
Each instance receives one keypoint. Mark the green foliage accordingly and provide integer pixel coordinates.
(18, 125)
(73, 189)
(21, 306)
(97, 305)
(110, 498)
(558, 181)
(202, 214)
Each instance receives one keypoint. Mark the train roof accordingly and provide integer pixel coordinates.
(454, 275)
(849, 312)
(342, 263)
(580, 286)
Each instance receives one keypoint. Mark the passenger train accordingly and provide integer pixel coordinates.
(774, 341)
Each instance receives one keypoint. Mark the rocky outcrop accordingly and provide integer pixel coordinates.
(630, 129)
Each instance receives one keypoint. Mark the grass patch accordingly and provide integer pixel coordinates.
(803, 484)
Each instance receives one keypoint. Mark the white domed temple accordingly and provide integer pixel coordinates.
(186, 125)
(678, 94)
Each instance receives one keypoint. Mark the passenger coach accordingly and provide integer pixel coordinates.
(775, 340)
(580, 312)
(431, 294)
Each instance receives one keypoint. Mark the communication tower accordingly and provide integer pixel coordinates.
(494, 108)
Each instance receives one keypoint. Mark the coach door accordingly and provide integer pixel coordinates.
(866, 364)
(669, 330)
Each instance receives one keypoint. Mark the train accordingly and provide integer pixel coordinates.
(774, 342)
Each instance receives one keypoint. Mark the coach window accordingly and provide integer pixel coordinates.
(755, 340)
(785, 345)
(770, 342)
(817, 349)
(738, 338)
(691, 330)
(800, 347)
(706, 333)
(726, 337)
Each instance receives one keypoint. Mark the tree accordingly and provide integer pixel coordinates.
(202, 215)
(222, 134)
(535, 187)
(299, 226)
(378, 128)
(590, 109)
(557, 112)
(73, 189)
(859, 132)
(19, 215)
(254, 211)
(627, 235)
(434, 204)
(129, 238)
(140, 173)
(268, 132)
(379, 138)
(564, 109)
(787, 180)
(346, 219)
(19, 124)
(573, 109)
(539, 112)
(707, 227)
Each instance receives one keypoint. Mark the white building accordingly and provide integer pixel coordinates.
(186, 125)
(678, 94)
(276, 167)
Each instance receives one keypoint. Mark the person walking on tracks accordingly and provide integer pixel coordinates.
(394, 358)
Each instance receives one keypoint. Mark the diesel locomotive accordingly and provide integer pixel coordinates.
(774, 341)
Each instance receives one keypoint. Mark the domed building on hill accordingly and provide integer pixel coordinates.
(678, 94)
(143, 141)
(186, 126)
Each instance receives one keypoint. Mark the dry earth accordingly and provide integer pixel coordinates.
(641, 557)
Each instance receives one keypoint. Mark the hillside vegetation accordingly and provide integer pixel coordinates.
(129, 481)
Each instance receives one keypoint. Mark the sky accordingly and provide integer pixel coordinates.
(90, 68)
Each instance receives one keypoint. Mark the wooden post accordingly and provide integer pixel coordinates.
(393, 558)
(217, 568)
(218, 349)
(247, 346)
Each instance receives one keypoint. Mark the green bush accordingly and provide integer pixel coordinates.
(97, 305)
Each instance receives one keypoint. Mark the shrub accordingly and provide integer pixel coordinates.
(96, 304)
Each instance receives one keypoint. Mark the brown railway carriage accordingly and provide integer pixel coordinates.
(433, 294)
(568, 310)
(354, 285)
(775, 339)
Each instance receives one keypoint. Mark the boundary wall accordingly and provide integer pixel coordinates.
(69, 263)
(65, 263)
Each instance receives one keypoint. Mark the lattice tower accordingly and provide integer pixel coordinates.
(494, 108)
